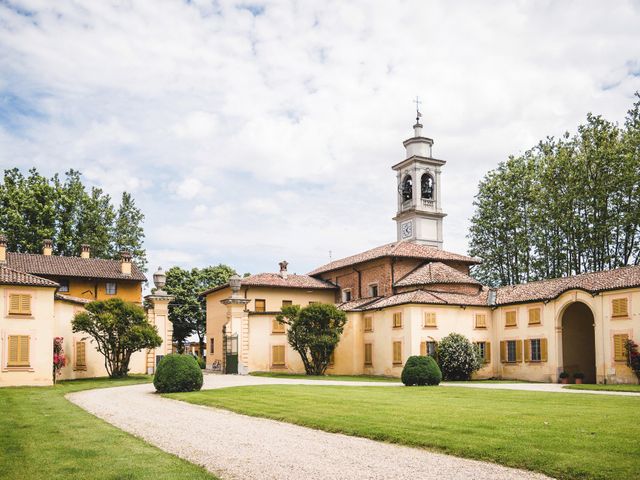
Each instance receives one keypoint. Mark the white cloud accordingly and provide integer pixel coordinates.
(250, 138)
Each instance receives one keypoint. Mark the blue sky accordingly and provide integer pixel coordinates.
(255, 132)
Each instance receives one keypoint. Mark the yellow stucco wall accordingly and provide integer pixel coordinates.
(130, 291)
(39, 326)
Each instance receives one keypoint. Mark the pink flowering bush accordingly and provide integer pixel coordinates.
(59, 358)
(633, 357)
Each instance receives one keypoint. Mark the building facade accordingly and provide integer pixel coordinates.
(39, 296)
(404, 297)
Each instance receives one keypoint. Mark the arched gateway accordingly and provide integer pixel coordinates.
(578, 341)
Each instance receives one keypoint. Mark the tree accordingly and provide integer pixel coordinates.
(314, 332)
(33, 208)
(567, 206)
(458, 357)
(118, 329)
(187, 311)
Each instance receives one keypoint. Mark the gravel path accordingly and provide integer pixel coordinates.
(235, 446)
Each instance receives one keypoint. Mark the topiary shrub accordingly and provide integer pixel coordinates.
(458, 357)
(420, 370)
(177, 373)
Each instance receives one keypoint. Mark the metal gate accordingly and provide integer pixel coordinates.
(230, 345)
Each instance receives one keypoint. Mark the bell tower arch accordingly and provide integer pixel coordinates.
(419, 215)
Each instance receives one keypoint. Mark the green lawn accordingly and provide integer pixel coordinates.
(341, 378)
(565, 436)
(608, 388)
(44, 436)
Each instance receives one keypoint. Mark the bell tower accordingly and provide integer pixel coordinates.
(419, 216)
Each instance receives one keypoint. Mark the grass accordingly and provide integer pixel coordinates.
(565, 436)
(340, 378)
(608, 388)
(44, 436)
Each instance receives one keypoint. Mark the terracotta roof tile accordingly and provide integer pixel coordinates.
(72, 299)
(9, 276)
(427, 297)
(276, 280)
(355, 305)
(435, 272)
(619, 278)
(58, 266)
(397, 249)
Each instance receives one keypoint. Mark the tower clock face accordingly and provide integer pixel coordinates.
(406, 229)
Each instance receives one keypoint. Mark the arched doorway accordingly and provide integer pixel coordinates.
(578, 341)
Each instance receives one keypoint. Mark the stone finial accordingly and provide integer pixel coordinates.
(283, 268)
(47, 247)
(234, 283)
(159, 280)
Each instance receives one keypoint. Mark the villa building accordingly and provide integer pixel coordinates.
(39, 296)
(404, 297)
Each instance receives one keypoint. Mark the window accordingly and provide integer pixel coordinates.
(332, 358)
(111, 288)
(81, 359)
(619, 307)
(484, 349)
(534, 353)
(260, 305)
(397, 353)
(212, 345)
(18, 355)
(19, 304)
(510, 319)
(346, 295)
(368, 324)
(367, 354)
(286, 303)
(277, 355)
(373, 290)
(431, 348)
(511, 351)
(429, 319)
(534, 316)
(620, 347)
(481, 320)
(313, 303)
(276, 326)
(397, 320)
(64, 285)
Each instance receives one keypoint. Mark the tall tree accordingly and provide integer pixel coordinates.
(187, 311)
(128, 232)
(569, 205)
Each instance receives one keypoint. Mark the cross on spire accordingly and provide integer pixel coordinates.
(418, 114)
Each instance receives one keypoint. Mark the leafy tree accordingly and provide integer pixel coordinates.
(118, 329)
(314, 332)
(458, 357)
(33, 208)
(187, 312)
(567, 206)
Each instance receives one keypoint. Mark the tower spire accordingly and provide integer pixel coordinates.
(418, 114)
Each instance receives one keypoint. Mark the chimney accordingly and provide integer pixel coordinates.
(125, 262)
(47, 247)
(283, 269)
(85, 251)
(3, 248)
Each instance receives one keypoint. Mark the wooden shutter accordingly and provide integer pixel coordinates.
(332, 358)
(487, 352)
(397, 320)
(527, 350)
(277, 352)
(518, 351)
(543, 349)
(276, 326)
(429, 319)
(81, 360)
(619, 347)
(397, 352)
(367, 354)
(619, 307)
(510, 318)
(481, 320)
(534, 316)
(19, 304)
(260, 305)
(286, 303)
(503, 351)
(423, 349)
(18, 355)
(368, 324)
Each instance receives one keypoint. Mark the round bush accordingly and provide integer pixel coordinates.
(177, 373)
(420, 370)
(458, 357)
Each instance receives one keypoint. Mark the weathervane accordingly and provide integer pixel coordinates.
(418, 114)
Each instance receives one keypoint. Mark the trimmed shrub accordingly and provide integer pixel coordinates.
(420, 370)
(458, 357)
(177, 373)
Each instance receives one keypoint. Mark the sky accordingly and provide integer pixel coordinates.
(255, 132)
